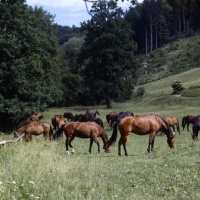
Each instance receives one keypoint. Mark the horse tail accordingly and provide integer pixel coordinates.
(98, 112)
(51, 131)
(178, 128)
(58, 133)
(183, 122)
(113, 138)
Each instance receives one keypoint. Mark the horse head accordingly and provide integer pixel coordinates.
(168, 132)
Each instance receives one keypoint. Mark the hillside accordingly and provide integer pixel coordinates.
(177, 56)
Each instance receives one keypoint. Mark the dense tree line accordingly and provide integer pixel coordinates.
(43, 64)
(155, 22)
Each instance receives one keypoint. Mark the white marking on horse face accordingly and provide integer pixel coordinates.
(68, 153)
(174, 133)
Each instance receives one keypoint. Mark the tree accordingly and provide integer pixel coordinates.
(29, 53)
(108, 51)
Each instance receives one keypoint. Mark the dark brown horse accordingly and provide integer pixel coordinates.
(110, 117)
(98, 121)
(187, 120)
(31, 128)
(82, 118)
(196, 128)
(173, 121)
(144, 125)
(120, 116)
(83, 130)
(68, 115)
(34, 117)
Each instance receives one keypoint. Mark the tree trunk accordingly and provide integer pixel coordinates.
(108, 103)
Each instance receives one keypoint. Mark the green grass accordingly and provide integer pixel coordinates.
(42, 169)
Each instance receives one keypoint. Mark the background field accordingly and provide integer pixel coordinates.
(42, 169)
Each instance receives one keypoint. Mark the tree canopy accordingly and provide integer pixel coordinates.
(29, 63)
(108, 51)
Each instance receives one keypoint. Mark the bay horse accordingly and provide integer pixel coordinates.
(32, 128)
(187, 120)
(142, 125)
(173, 121)
(55, 120)
(34, 117)
(110, 117)
(196, 128)
(83, 130)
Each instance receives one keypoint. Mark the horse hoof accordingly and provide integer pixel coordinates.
(68, 153)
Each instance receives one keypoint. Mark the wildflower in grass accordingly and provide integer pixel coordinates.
(37, 197)
(1, 183)
(31, 182)
(14, 182)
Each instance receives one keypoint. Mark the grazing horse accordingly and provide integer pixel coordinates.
(173, 121)
(92, 112)
(68, 115)
(83, 130)
(55, 120)
(196, 128)
(31, 128)
(110, 117)
(120, 116)
(34, 117)
(149, 124)
(187, 120)
(82, 118)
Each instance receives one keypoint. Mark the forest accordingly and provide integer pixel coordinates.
(44, 65)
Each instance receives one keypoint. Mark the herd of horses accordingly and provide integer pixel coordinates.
(87, 125)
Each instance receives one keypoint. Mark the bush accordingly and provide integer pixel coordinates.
(140, 91)
(177, 86)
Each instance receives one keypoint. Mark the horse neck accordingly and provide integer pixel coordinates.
(21, 130)
(103, 136)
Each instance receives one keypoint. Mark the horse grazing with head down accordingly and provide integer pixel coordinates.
(142, 125)
(31, 128)
(187, 120)
(196, 128)
(83, 130)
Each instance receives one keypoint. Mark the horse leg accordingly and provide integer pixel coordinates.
(122, 141)
(70, 145)
(91, 142)
(66, 145)
(173, 130)
(151, 142)
(188, 126)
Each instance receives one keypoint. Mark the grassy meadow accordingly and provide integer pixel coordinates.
(42, 169)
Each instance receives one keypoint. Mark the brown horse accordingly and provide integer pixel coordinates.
(38, 128)
(83, 130)
(55, 120)
(34, 117)
(149, 124)
(187, 120)
(110, 117)
(173, 121)
(196, 128)
(68, 115)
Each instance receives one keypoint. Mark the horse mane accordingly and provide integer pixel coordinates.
(169, 131)
(25, 124)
